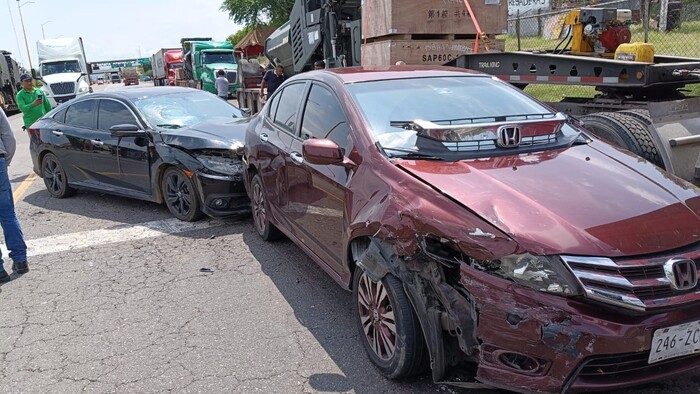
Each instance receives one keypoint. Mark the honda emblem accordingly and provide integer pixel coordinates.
(509, 137)
(682, 273)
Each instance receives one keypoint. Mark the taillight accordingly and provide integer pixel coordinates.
(32, 132)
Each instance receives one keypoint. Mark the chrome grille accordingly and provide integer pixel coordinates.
(63, 88)
(635, 283)
(472, 146)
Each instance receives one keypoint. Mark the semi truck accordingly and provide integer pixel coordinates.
(130, 76)
(165, 62)
(9, 82)
(63, 69)
(202, 58)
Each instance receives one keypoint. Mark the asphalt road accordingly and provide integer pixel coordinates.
(123, 298)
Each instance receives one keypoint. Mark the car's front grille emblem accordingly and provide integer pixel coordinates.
(682, 273)
(509, 137)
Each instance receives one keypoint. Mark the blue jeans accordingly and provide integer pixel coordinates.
(14, 239)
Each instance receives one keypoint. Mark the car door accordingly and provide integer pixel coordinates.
(78, 130)
(317, 193)
(122, 164)
(279, 129)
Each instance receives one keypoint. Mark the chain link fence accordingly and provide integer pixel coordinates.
(672, 26)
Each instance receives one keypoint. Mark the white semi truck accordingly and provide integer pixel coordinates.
(63, 68)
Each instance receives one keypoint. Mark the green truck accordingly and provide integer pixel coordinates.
(203, 58)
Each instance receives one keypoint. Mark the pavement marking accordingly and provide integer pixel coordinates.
(23, 187)
(119, 233)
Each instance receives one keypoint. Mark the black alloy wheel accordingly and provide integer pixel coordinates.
(180, 195)
(390, 331)
(55, 178)
(266, 230)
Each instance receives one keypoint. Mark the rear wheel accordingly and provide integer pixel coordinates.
(180, 195)
(624, 131)
(266, 230)
(55, 178)
(389, 328)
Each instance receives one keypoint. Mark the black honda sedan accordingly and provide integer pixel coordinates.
(179, 146)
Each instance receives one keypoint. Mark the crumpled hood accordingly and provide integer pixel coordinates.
(63, 77)
(211, 134)
(587, 200)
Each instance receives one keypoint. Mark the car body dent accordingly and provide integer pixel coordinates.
(213, 134)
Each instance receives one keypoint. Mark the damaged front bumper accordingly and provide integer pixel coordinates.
(536, 342)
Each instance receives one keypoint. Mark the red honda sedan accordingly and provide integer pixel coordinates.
(475, 225)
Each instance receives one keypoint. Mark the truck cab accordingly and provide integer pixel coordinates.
(202, 60)
(63, 69)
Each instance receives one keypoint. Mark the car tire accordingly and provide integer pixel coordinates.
(386, 319)
(55, 178)
(626, 132)
(180, 195)
(260, 207)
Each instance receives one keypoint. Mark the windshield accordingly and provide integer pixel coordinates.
(182, 109)
(453, 114)
(68, 66)
(218, 57)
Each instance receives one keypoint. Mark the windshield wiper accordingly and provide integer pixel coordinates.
(170, 126)
(410, 154)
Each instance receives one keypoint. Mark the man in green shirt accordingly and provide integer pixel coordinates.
(31, 101)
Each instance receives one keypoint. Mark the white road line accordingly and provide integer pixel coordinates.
(120, 233)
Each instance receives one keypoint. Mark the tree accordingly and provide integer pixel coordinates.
(236, 37)
(255, 12)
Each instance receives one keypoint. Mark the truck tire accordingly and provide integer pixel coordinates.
(624, 131)
(639, 114)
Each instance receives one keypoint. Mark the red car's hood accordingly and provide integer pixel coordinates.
(586, 200)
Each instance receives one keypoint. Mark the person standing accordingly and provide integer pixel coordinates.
(14, 238)
(319, 65)
(272, 80)
(221, 84)
(31, 101)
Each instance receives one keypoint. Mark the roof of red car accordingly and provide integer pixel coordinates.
(364, 74)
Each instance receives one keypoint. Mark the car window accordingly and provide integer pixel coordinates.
(60, 116)
(324, 117)
(113, 113)
(81, 114)
(273, 106)
(286, 115)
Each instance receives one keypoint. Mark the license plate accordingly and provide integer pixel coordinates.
(675, 341)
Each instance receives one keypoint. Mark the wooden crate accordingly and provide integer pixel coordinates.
(417, 52)
(388, 17)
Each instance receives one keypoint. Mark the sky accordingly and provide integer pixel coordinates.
(111, 30)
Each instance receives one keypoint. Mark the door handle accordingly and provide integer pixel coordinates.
(57, 132)
(263, 137)
(297, 158)
(97, 142)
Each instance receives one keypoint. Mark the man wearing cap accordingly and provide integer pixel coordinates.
(14, 239)
(31, 101)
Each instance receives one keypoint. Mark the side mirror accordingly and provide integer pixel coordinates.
(324, 152)
(126, 130)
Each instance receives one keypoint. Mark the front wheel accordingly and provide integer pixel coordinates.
(180, 195)
(55, 178)
(390, 331)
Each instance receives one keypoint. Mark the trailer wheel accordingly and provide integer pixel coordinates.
(626, 132)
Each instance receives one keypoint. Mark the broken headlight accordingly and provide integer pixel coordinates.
(222, 165)
(541, 273)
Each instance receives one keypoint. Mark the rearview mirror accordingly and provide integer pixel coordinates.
(126, 130)
(246, 111)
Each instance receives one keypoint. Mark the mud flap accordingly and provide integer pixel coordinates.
(675, 129)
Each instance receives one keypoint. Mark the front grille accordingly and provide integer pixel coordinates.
(231, 76)
(64, 98)
(63, 88)
(640, 283)
(617, 369)
(478, 145)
